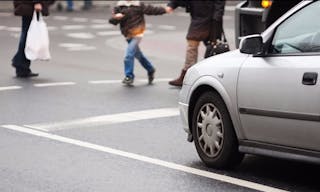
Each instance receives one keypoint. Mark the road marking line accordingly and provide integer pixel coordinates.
(167, 27)
(108, 33)
(37, 128)
(61, 18)
(10, 88)
(53, 84)
(15, 35)
(81, 35)
(119, 81)
(108, 119)
(72, 27)
(52, 28)
(13, 29)
(99, 21)
(86, 48)
(154, 161)
(156, 80)
(79, 19)
(71, 45)
(6, 14)
(101, 26)
(105, 82)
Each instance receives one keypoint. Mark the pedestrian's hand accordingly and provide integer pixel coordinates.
(118, 16)
(169, 9)
(38, 7)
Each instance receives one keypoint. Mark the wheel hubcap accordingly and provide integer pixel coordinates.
(210, 130)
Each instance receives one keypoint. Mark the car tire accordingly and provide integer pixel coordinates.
(213, 132)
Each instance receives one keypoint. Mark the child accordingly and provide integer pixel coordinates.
(130, 15)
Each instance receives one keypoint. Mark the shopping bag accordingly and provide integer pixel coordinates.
(37, 43)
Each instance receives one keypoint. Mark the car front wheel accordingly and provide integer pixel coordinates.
(213, 132)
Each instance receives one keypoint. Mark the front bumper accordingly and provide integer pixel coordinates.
(183, 107)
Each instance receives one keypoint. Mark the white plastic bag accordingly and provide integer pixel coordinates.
(37, 43)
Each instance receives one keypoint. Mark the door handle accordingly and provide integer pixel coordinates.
(310, 78)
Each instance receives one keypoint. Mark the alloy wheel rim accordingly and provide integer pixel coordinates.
(210, 130)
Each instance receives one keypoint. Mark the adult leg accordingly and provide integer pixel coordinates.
(19, 61)
(87, 4)
(191, 59)
(69, 5)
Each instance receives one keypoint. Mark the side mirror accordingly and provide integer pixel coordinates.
(252, 44)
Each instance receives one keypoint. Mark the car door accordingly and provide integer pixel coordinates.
(279, 94)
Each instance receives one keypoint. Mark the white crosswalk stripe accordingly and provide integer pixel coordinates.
(5, 14)
(10, 88)
(108, 119)
(102, 26)
(78, 19)
(60, 18)
(167, 27)
(53, 84)
(73, 27)
(81, 35)
(99, 21)
(13, 29)
(108, 33)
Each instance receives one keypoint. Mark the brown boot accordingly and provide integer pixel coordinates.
(178, 82)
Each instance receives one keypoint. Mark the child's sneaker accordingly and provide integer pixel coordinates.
(151, 76)
(127, 81)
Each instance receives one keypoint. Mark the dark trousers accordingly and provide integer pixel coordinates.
(19, 61)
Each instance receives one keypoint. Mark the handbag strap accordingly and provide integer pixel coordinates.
(216, 29)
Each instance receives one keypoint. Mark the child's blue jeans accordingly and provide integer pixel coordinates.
(133, 51)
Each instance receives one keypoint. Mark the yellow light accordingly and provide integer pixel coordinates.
(266, 3)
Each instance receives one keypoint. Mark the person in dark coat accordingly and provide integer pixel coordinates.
(206, 21)
(130, 16)
(25, 9)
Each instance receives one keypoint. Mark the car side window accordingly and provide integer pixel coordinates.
(300, 33)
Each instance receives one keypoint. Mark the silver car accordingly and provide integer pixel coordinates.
(261, 99)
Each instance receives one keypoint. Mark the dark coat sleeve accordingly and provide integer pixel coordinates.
(177, 3)
(26, 7)
(112, 20)
(152, 10)
(219, 10)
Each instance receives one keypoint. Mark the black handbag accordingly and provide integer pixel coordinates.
(215, 45)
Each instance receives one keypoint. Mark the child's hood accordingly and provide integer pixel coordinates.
(128, 3)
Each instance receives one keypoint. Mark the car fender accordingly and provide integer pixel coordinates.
(231, 104)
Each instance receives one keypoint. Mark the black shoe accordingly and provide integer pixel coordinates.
(127, 81)
(151, 76)
(27, 75)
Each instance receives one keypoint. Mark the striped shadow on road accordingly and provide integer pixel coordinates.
(107, 119)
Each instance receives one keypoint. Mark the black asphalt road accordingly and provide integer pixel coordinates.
(85, 49)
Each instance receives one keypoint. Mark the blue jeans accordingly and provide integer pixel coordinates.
(70, 4)
(19, 61)
(133, 51)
